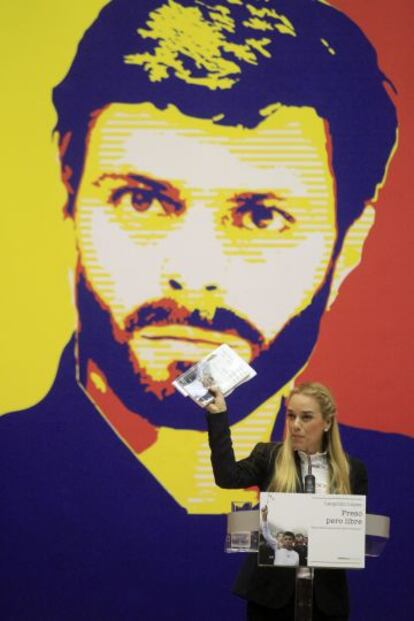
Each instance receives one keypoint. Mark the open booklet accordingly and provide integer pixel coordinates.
(223, 368)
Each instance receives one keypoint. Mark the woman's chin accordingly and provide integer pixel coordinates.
(298, 444)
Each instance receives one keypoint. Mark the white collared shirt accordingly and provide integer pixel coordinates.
(284, 557)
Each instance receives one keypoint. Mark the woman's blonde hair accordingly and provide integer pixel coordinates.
(285, 478)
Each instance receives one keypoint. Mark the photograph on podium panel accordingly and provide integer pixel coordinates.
(280, 538)
(184, 179)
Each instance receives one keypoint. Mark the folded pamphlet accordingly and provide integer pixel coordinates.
(223, 368)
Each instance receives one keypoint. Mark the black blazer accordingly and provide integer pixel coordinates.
(274, 587)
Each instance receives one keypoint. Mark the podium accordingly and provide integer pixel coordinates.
(337, 532)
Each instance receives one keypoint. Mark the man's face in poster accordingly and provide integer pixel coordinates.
(191, 234)
(206, 206)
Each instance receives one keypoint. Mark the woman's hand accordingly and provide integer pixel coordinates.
(219, 403)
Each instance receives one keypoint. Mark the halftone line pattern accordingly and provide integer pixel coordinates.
(220, 162)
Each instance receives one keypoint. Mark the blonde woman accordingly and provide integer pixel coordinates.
(311, 433)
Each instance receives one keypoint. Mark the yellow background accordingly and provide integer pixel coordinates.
(38, 42)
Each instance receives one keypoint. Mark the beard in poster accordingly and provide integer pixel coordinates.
(276, 363)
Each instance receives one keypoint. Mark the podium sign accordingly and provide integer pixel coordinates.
(312, 530)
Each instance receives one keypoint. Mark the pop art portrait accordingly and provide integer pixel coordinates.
(211, 173)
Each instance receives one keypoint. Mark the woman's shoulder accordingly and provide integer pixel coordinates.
(267, 450)
(263, 458)
(269, 447)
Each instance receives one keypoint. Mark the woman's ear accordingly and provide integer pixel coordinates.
(328, 424)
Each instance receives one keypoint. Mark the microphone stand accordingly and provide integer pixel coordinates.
(304, 576)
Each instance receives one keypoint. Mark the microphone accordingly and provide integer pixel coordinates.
(310, 482)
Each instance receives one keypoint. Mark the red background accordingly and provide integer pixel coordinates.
(365, 347)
